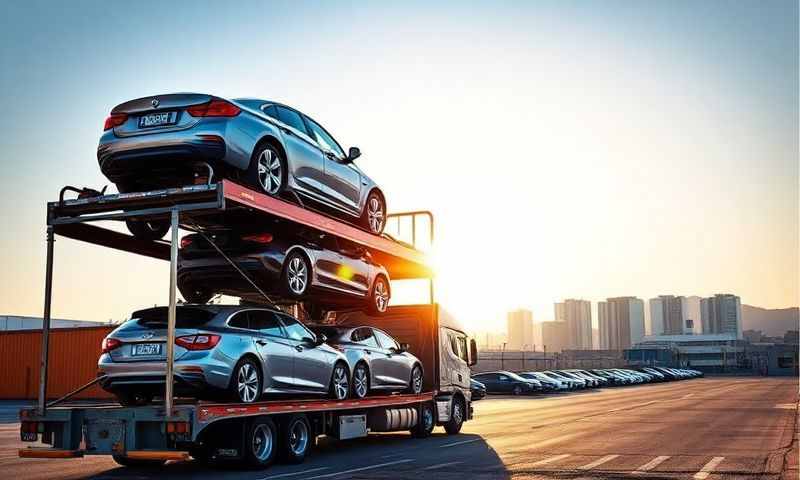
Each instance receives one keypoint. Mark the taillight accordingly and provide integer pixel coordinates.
(115, 120)
(214, 108)
(109, 344)
(186, 241)
(258, 238)
(198, 342)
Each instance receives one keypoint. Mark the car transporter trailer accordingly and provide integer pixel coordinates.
(176, 430)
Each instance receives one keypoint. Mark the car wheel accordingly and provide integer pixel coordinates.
(296, 274)
(415, 383)
(379, 296)
(137, 462)
(246, 381)
(425, 423)
(134, 399)
(295, 439)
(196, 295)
(453, 426)
(340, 386)
(267, 171)
(517, 390)
(373, 218)
(360, 381)
(260, 443)
(148, 230)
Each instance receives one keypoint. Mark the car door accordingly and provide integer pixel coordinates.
(398, 364)
(276, 352)
(342, 179)
(354, 267)
(380, 376)
(504, 383)
(312, 364)
(489, 380)
(306, 163)
(328, 264)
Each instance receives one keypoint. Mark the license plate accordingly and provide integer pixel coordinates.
(29, 436)
(158, 119)
(146, 349)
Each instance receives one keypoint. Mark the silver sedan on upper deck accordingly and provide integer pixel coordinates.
(172, 140)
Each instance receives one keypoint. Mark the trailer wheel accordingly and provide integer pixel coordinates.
(453, 426)
(260, 442)
(136, 462)
(426, 422)
(295, 439)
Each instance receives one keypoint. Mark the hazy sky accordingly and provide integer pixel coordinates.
(568, 149)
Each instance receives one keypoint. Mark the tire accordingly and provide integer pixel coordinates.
(196, 295)
(136, 462)
(426, 423)
(340, 383)
(134, 399)
(415, 382)
(152, 230)
(379, 296)
(295, 439)
(260, 443)
(373, 218)
(267, 170)
(247, 382)
(517, 390)
(453, 426)
(296, 275)
(360, 387)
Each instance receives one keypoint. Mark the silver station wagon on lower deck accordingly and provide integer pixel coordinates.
(237, 352)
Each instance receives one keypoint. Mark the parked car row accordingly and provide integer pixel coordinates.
(504, 382)
(245, 353)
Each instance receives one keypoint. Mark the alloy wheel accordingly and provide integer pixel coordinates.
(298, 437)
(297, 275)
(270, 171)
(416, 380)
(375, 215)
(247, 383)
(262, 442)
(458, 416)
(340, 384)
(381, 295)
(360, 382)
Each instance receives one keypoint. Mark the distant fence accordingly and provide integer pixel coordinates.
(519, 361)
(73, 362)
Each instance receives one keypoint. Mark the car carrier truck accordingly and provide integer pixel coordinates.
(177, 429)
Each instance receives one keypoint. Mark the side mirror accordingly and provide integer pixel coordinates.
(403, 347)
(321, 338)
(473, 352)
(352, 154)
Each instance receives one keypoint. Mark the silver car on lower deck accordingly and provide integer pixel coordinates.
(238, 352)
(377, 360)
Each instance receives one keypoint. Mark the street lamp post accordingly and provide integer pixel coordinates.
(502, 357)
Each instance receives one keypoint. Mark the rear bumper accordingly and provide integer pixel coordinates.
(158, 160)
(191, 376)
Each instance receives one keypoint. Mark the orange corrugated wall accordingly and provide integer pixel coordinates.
(73, 362)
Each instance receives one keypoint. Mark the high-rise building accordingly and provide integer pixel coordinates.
(577, 314)
(554, 336)
(621, 322)
(692, 319)
(666, 315)
(520, 330)
(722, 313)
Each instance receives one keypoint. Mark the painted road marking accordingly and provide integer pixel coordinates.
(441, 465)
(550, 460)
(651, 464)
(598, 462)
(284, 475)
(708, 468)
(446, 445)
(353, 470)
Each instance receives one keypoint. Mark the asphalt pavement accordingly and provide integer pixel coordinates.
(711, 428)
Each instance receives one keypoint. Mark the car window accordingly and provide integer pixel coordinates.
(323, 139)
(365, 337)
(503, 378)
(271, 111)
(294, 329)
(265, 322)
(458, 345)
(240, 320)
(292, 118)
(386, 341)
